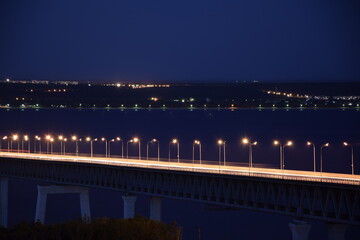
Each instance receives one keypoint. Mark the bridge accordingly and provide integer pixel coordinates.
(330, 197)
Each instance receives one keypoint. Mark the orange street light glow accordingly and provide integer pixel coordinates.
(136, 140)
(174, 140)
(276, 142)
(245, 140)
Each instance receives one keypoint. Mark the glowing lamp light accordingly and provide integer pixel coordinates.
(74, 138)
(103, 139)
(154, 140)
(61, 138)
(197, 142)
(255, 143)
(276, 142)
(289, 143)
(174, 141)
(15, 137)
(346, 143)
(88, 139)
(220, 141)
(118, 139)
(26, 137)
(245, 140)
(135, 140)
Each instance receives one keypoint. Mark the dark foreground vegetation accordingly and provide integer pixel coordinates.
(138, 228)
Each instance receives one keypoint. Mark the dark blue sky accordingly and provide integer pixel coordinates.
(181, 40)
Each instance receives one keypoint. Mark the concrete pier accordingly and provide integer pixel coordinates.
(4, 185)
(300, 230)
(43, 191)
(129, 206)
(155, 208)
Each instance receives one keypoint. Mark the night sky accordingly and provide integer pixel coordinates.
(183, 40)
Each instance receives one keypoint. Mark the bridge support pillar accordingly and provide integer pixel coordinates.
(4, 186)
(155, 208)
(336, 231)
(300, 230)
(43, 191)
(129, 206)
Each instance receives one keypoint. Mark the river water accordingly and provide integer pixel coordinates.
(207, 125)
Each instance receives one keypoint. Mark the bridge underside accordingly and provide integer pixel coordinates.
(302, 200)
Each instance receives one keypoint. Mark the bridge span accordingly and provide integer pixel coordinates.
(329, 197)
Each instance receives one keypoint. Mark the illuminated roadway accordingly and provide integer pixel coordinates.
(295, 175)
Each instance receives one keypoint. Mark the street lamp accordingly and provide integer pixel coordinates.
(158, 148)
(6, 138)
(288, 144)
(122, 145)
(314, 153)
(65, 140)
(221, 143)
(134, 140)
(51, 145)
(175, 141)
(47, 138)
(74, 138)
(247, 141)
(106, 146)
(321, 155)
(26, 139)
(37, 138)
(61, 138)
(346, 144)
(15, 137)
(88, 139)
(196, 142)
(282, 151)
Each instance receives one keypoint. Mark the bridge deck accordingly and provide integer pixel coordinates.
(295, 175)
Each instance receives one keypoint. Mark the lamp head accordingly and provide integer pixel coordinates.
(245, 141)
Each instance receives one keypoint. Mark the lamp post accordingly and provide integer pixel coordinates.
(134, 140)
(198, 143)
(314, 153)
(247, 141)
(106, 146)
(6, 138)
(65, 140)
(278, 143)
(51, 145)
(288, 144)
(27, 139)
(15, 137)
(88, 139)
(222, 143)
(127, 148)
(175, 141)
(158, 148)
(119, 139)
(61, 138)
(47, 138)
(37, 138)
(346, 144)
(74, 138)
(122, 146)
(321, 155)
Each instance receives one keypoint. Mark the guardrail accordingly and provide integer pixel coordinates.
(205, 167)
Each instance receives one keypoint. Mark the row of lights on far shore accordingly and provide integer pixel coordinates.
(221, 144)
(206, 106)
